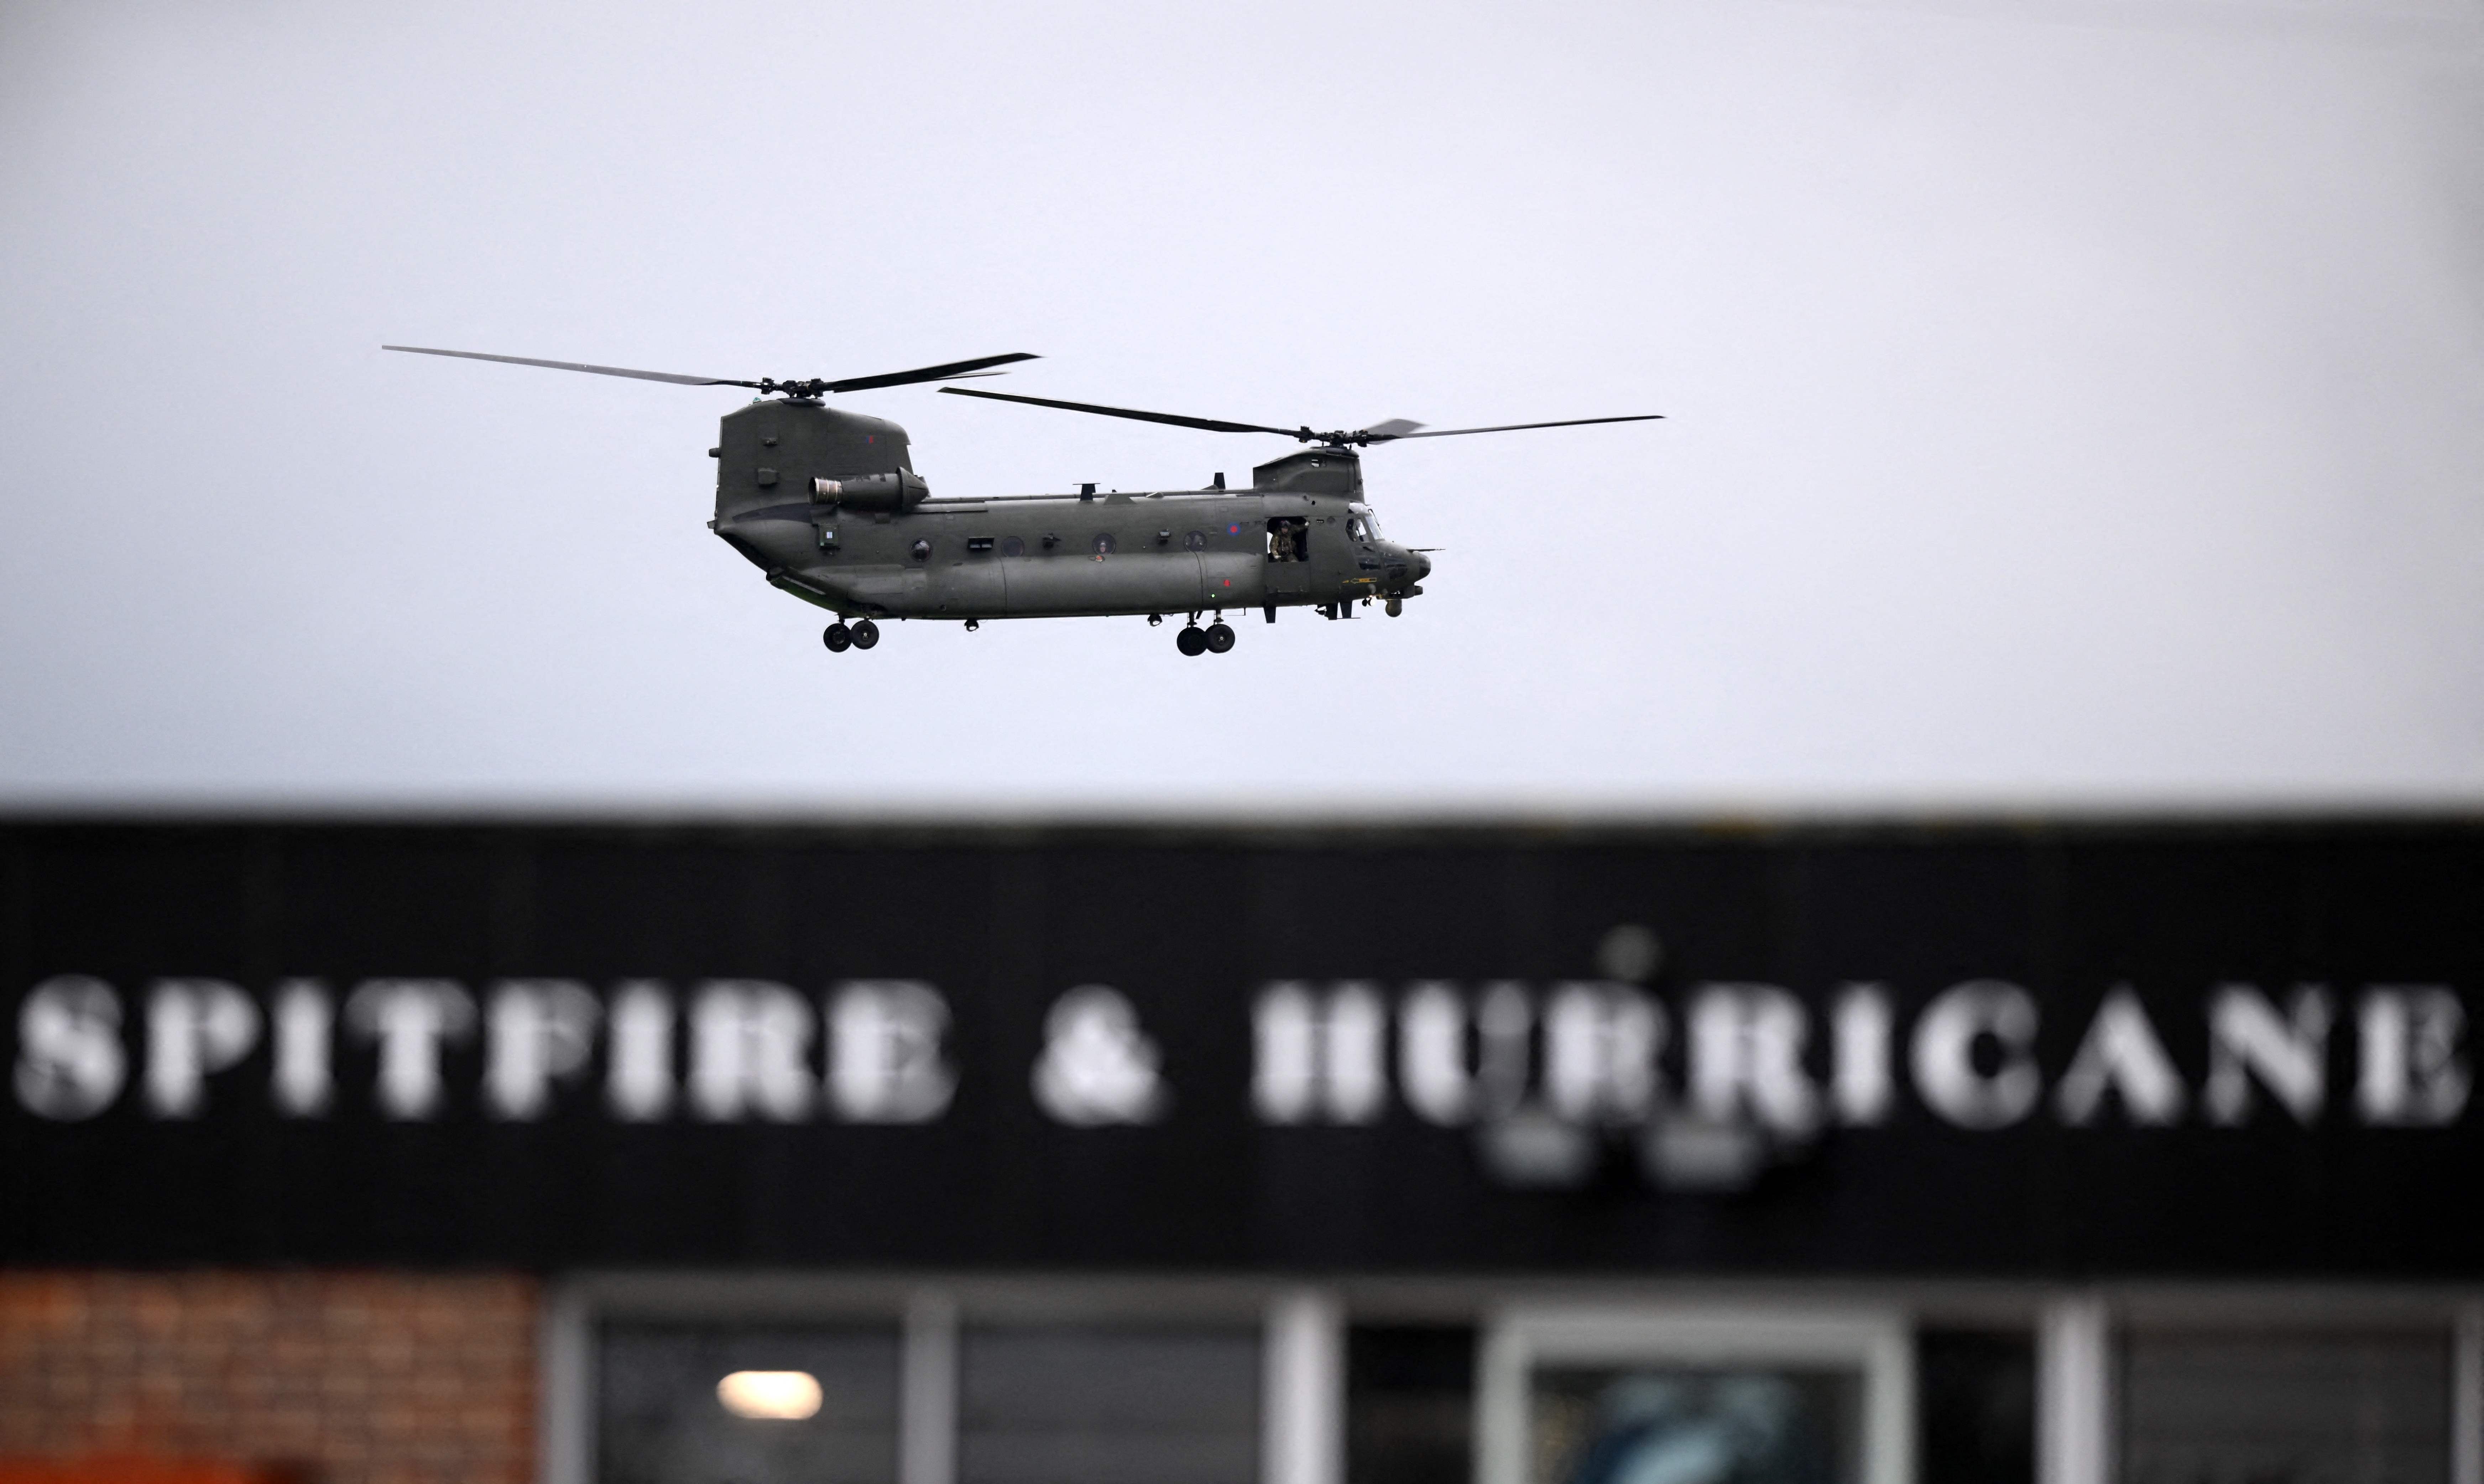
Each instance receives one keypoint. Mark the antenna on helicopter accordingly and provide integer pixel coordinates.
(1391, 431)
(800, 390)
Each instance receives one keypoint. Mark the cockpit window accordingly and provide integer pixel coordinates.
(1358, 528)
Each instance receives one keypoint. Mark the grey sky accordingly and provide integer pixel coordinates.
(2069, 405)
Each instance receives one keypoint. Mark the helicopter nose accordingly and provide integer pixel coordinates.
(1422, 566)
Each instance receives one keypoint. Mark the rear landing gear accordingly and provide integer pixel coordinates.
(839, 638)
(1214, 639)
(865, 634)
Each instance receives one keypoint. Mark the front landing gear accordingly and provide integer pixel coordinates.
(1220, 638)
(839, 638)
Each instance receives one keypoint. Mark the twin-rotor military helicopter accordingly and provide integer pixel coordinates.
(827, 504)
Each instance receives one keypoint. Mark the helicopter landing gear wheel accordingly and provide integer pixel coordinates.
(1191, 641)
(1396, 606)
(865, 634)
(838, 637)
(972, 625)
(1220, 638)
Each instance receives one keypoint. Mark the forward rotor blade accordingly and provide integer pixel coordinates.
(576, 365)
(1379, 436)
(955, 368)
(1206, 424)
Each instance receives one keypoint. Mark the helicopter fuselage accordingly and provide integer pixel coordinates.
(826, 503)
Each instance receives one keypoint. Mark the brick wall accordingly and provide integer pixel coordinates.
(337, 1378)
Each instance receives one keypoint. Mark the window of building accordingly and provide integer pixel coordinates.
(1108, 1405)
(2240, 1408)
(1613, 1397)
(661, 1418)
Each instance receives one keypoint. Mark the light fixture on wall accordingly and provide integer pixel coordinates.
(775, 1395)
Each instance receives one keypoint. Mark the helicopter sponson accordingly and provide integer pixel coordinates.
(828, 505)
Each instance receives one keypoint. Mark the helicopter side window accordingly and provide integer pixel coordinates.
(1358, 528)
(1288, 538)
(1012, 546)
(1103, 544)
(1195, 541)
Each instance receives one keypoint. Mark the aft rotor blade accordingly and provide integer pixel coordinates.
(1206, 424)
(1378, 437)
(954, 368)
(577, 366)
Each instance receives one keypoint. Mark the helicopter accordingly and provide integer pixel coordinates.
(826, 503)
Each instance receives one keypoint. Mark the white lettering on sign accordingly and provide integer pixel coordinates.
(409, 1018)
(536, 1030)
(1601, 1041)
(1746, 1046)
(2288, 1054)
(2413, 1073)
(749, 1041)
(69, 1060)
(638, 1077)
(1097, 1066)
(1506, 1031)
(885, 1064)
(1980, 1013)
(304, 1019)
(2121, 1055)
(1319, 1056)
(194, 1027)
(1859, 1089)
(1432, 1054)
(1577, 1054)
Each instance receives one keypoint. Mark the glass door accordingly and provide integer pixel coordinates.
(1696, 1397)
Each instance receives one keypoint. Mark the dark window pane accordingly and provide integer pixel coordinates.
(1975, 1396)
(659, 1422)
(1410, 1404)
(2285, 1409)
(1602, 1424)
(1109, 1406)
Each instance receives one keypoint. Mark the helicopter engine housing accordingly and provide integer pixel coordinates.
(901, 490)
(771, 451)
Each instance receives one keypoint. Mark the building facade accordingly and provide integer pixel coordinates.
(702, 1154)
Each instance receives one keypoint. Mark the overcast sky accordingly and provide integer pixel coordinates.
(2070, 405)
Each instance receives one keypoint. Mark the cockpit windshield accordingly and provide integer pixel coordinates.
(1359, 524)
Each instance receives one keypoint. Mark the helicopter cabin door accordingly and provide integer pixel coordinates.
(1289, 558)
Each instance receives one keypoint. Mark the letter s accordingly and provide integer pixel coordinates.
(70, 1062)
